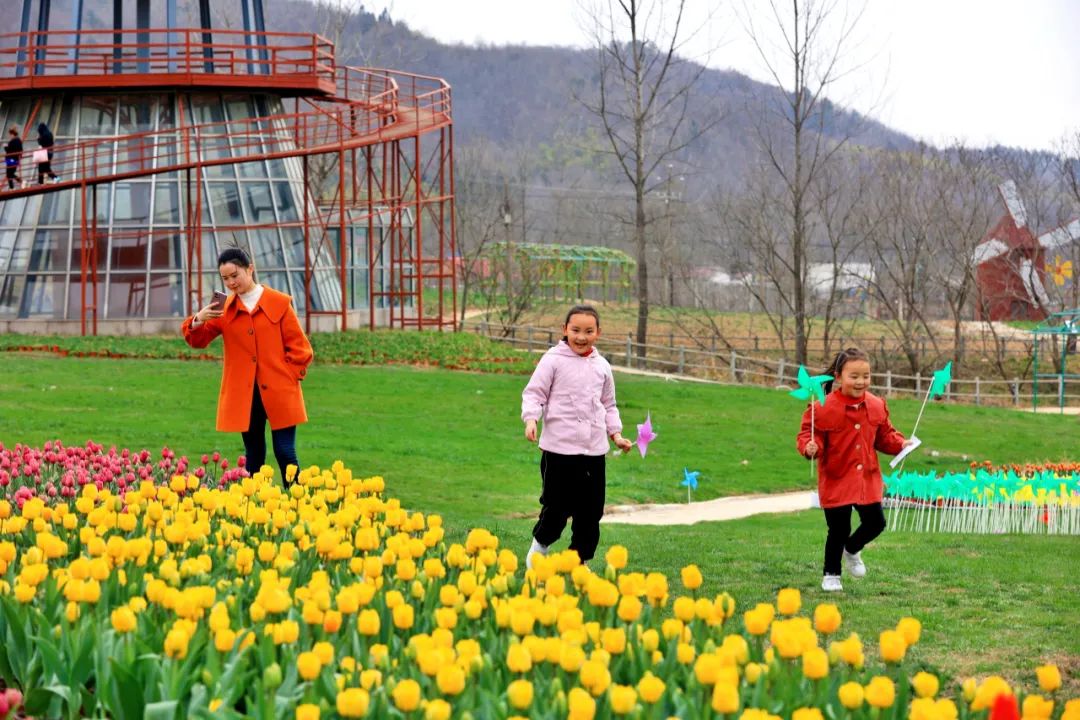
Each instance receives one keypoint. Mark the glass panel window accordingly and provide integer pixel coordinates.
(44, 295)
(50, 250)
(206, 108)
(64, 126)
(224, 200)
(128, 250)
(358, 289)
(260, 205)
(276, 165)
(12, 210)
(132, 204)
(126, 295)
(7, 246)
(97, 116)
(294, 245)
(298, 297)
(135, 153)
(285, 202)
(266, 247)
(166, 295)
(167, 203)
(20, 254)
(11, 287)
(248, 146)
(56, 208)
(277, 280)
(166, 112)
(167, 251)
(136, 113)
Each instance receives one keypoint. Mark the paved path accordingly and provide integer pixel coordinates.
(728, 508)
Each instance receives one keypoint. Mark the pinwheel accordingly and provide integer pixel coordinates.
(645, 435)
(690, 481)
(810, 389)
(938, 385)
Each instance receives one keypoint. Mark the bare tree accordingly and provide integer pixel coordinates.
(643, 103)
(814, 38)
(477, 212)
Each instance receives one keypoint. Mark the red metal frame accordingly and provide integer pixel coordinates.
(386, 115)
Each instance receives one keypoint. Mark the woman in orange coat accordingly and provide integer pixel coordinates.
(266, 357)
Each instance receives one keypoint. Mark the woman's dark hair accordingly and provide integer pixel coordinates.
(837, 366)
(581, 310)
(234, 255)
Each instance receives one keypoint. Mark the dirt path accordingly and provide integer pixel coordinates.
(728, 508)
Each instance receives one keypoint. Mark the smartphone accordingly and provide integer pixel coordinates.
(219, 300)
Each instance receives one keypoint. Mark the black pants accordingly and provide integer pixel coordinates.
(284, 440)
(44, 169)
(573, 487)
(840, 538)
(12, 175)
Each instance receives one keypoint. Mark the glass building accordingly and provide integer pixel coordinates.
(158, 212)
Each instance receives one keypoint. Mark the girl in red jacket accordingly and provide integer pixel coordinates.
(849, 430)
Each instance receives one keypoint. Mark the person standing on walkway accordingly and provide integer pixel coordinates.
(45, 141)
(850, 429)
(266, 358)
(573, 391)
(13, 156)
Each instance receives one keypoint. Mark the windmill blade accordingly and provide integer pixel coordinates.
(988, 251)
(1015, 205)
(1061, 236)
(1033, 284)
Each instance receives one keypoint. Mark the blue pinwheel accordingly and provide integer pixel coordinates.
(690, 481)
(937, 388)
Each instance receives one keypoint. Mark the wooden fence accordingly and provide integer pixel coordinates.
(734, 367)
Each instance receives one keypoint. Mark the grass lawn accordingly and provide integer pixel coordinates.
(451, 442)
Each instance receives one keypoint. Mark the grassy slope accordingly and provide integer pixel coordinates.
(451, 443)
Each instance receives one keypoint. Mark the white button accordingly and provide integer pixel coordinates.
(858, 467)
(857, 446)
(857, 426)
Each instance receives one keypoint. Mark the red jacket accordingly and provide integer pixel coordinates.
(848, 431)
(266, 346)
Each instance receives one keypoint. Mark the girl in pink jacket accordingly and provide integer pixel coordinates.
(573, 390)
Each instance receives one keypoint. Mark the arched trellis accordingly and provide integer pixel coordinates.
(562, 272)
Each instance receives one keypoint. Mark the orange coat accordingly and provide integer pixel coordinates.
(849, 433)
(266, 346)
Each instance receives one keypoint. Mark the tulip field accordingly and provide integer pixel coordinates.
(160, 584)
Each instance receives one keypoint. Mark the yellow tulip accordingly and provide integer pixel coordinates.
(518, 658)
(851, 695)
(650, 688)
(807, 714)
(691, 577)
(788, 601)
(307, 711)
(580, 705)
(826, 618)
(725, 698)
(1049, 677)
(616, 557)
(406, 695)
(520, 694)
(623, 699)
(1036, 707)
(893, 646)
(438, 709)
(910, 628)
(880, 692)
(815, 664)
(925, 684)
(123, 619)
(367, 622)
(307, 663)
(352, 702)
(450, 679)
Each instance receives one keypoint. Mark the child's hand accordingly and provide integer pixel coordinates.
(621, 442)
(811, 449)
(908, 442)
(530, 430)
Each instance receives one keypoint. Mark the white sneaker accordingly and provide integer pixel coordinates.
(535, 548)
(855, 566)
(831, 583)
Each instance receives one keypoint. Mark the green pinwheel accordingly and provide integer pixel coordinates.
(810, 386)
(941, 380)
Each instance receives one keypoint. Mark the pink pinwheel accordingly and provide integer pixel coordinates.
(645, 435)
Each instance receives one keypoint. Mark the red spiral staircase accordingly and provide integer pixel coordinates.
(389, 132)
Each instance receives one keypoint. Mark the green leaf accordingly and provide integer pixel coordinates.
(164, 710)
(130, 693)
(51, 662)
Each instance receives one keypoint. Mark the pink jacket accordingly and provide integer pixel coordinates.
(575, 396)
(850, 432)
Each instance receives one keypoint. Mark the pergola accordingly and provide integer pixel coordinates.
(559, 272)
(1062, 326)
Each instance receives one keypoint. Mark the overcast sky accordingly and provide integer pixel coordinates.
(983, 71)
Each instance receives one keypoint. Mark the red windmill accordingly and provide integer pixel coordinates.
(1009, 263)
